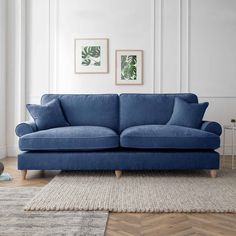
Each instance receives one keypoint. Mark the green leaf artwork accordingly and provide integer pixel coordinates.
(129, 67)
(91, 55)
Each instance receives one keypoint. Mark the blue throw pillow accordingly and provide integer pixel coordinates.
(187, 114)
(47, 116)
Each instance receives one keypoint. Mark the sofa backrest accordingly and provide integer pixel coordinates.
(144, 109)
(118, 112)
(91, 109)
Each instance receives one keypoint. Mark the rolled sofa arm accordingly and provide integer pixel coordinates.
(26, 127)
(212, 127)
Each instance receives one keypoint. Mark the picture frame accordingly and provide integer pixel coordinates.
(129, 67)
(91, 55)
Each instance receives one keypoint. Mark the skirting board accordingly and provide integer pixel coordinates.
(3, 152)
(12, 151)
(228, 150)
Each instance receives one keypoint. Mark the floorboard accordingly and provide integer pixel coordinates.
(142, 224)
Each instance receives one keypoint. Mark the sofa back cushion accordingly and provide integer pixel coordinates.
(145, 109)
(88, 109)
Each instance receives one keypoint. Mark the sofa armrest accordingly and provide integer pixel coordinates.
(25, 127)
(212, 127)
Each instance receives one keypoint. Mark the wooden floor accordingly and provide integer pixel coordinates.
(141, 224)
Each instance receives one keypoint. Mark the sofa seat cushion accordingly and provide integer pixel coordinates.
(168, 136)
(70, 138)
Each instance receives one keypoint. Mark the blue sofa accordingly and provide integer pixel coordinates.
(118, 132)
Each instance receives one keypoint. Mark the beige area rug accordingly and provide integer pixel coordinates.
(138, 192)
(14, 221)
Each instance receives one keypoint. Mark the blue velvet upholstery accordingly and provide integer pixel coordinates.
(187, 114)
(118, 159)
(70, 138)
(91, 110)
(102, 135)
(168, 136)
(212, 127)
(146, 109)
(48, 115)
(26, 127)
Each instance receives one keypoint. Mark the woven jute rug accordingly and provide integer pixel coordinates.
(14, 221)
(138, 192)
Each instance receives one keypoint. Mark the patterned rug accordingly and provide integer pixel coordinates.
(174, 191)
(14, 221)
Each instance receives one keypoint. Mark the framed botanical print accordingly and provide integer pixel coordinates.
(129, 67)
(91, 55)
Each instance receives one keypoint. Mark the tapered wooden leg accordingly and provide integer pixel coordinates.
(23, 174)
(213, 173)
(118, 173)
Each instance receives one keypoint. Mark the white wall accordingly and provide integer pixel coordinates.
(121, 22)
(2, 78)
(15, 71)
(189, 46)
(37, 45)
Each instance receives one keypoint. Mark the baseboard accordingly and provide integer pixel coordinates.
(228, 150)
(3, 152)
(12, 151)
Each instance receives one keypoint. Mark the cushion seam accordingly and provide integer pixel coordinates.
(163, 137)
(69, 138)
(77, 148)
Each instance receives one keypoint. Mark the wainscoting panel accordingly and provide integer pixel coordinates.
(213, 52)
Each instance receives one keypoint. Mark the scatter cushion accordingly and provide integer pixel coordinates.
(72, 138)
(47, 116)
(168, 137)
(187, 114)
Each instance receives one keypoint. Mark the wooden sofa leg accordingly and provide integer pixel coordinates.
(213, 173)
(23, 174)
(118, 173)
